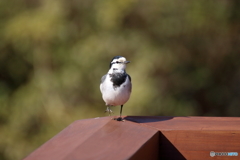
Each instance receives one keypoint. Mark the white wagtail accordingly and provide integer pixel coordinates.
(116, 85)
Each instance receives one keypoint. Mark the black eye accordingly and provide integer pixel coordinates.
(117, 62)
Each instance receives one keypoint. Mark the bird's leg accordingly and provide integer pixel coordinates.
(121, 111)
(108, 110)
(120, 118)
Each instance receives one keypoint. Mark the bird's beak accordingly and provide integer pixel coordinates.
(126, 62)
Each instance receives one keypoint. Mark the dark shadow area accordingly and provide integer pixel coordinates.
(167, 150)
(147, 119)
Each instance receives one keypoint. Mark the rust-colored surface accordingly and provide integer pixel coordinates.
(142, 137)
(100, 138)
(163, 123)
(199, 144)
(194, 137)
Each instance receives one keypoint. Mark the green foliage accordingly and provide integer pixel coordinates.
(184, 57)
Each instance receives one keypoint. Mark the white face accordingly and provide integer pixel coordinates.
(120, 60)
(119, 63)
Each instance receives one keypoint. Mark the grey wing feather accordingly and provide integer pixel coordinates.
(103, 78)
(130, 88)
(129, 77)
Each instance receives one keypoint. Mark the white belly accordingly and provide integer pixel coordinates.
(115, 96)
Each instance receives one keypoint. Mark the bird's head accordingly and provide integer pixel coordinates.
(118, 63)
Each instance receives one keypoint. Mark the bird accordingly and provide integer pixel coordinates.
(116, 85)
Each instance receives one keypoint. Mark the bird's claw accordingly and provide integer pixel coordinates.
(119, 119)
(109, 111)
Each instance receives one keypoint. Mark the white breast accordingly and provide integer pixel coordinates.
(115, 96)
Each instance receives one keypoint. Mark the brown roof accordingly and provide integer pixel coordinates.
(143, 138)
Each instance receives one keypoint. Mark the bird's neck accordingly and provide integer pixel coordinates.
(116, 70)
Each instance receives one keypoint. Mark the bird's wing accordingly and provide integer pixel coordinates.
(103, 78)
(130, 85)
(129, 77)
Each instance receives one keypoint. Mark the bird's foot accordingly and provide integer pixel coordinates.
(109, 111)
(119, 119)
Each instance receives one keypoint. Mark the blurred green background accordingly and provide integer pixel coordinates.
(185, 61)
